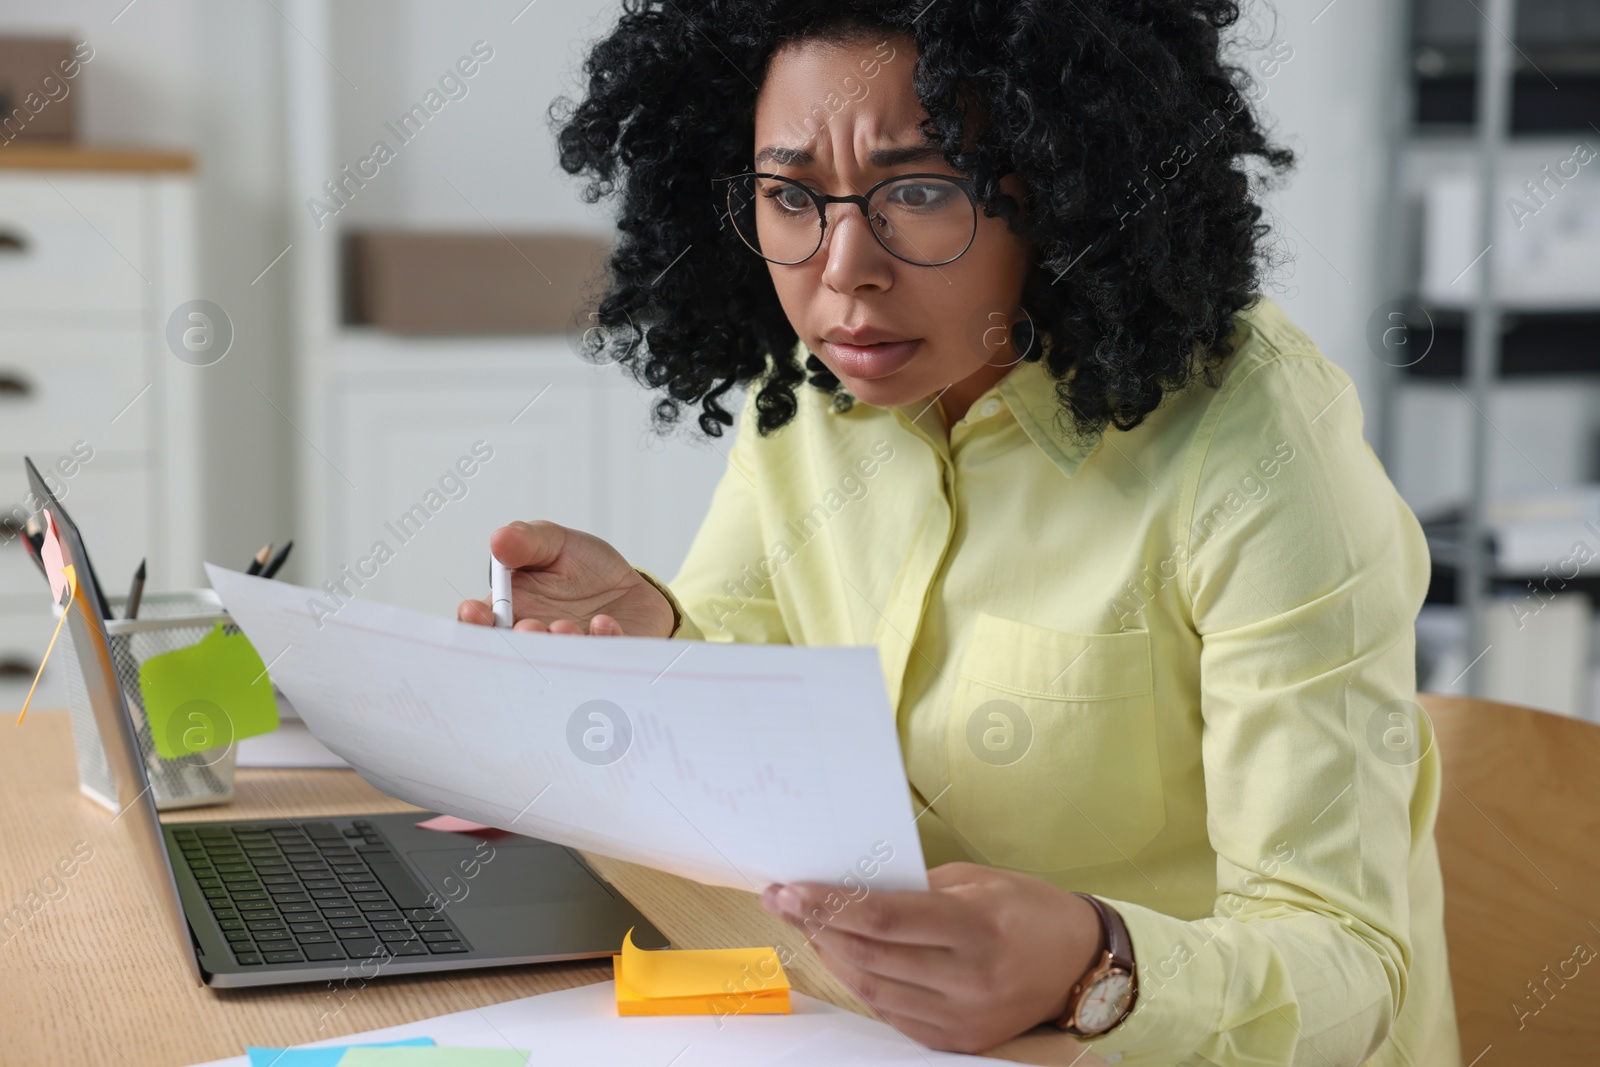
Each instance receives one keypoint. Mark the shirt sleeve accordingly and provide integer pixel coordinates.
(1304, 574)
(720, 593)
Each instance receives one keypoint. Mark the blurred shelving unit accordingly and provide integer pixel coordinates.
(1492, 396)
(97, 245)
(385, 417)
(1556, 87)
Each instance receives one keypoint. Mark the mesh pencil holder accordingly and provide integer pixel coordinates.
(166, 622)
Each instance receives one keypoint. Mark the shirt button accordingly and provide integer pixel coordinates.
(989, 407)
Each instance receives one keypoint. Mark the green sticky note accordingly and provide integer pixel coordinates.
(211, 693)
(434, 1057)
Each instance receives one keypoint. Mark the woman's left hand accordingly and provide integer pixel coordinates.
(982, 956)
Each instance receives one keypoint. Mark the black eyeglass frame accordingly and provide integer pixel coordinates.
(861, 201)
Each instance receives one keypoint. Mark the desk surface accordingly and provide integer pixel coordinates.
(88, 973)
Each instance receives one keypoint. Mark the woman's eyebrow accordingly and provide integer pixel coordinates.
(785, 157)
(878, 157)
(893, 157)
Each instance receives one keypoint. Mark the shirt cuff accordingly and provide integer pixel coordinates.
(1173, 1015)
(682, 625)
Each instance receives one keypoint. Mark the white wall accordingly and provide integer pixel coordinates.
(1340, 105)
(494, 145)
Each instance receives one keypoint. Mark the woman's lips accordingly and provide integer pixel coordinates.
(871, 361)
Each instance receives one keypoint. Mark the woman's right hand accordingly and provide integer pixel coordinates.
(566, 581)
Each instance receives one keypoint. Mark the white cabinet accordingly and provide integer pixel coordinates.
(61, 386)
(96, 248)
(660, 488)
(379, 419)
(73, 243)
(437, 443)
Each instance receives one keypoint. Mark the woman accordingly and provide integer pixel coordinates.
(1016, 416)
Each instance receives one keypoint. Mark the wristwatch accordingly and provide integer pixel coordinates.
(672, 601)
(1106, 994)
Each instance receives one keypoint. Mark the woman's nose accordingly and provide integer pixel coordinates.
(852, 254)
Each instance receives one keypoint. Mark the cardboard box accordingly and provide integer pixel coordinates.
(38, 89)
(470, 283)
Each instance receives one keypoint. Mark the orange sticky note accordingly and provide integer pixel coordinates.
(715, 981)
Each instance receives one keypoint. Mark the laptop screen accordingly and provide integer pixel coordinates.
(136, 806)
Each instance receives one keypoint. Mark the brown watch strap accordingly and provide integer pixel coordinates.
(1118, 943)
(1116, 954)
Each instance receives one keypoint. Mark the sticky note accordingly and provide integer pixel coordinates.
(71, 598)
(435, 1057)
(211, 693)
(55, 560)
(451, 824)
(329, 1056)
(716, 981)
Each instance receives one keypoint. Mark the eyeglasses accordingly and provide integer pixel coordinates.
(925, 219)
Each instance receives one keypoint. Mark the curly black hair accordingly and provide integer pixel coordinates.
(1128, 130)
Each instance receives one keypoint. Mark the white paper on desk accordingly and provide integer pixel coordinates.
(582, 1026)
(746, 765)
(290, 745)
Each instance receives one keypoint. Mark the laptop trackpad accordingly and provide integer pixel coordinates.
(536, 874)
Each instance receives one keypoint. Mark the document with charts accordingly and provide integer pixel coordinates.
(734, 765)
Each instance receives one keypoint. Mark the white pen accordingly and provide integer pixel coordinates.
(500, 592)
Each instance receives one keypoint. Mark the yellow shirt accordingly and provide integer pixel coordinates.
(1171, 667)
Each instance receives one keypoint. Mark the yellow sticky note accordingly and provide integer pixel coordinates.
(715, 981)
(211, 693)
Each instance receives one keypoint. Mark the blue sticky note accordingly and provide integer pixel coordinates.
(317, 1057)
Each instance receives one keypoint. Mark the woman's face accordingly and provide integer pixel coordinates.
(832, 108)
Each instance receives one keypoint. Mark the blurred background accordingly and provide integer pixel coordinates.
(276, 269)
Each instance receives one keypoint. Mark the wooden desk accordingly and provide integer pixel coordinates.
(90, 975)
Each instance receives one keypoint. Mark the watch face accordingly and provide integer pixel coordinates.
(1105, 1002)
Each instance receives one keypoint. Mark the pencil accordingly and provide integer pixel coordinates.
(260, 560)
(135, 593)
(277, 560)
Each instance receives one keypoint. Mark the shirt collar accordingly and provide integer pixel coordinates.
(1029, 394)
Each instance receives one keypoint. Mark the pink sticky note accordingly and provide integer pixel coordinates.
(452, 825)
(54, 559)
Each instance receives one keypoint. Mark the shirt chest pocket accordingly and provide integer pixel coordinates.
(1051, 747)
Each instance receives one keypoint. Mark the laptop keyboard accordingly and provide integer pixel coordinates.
(313, 893)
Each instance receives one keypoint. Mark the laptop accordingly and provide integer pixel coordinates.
(273, 901)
